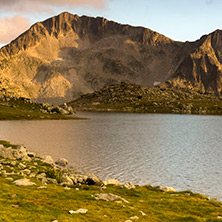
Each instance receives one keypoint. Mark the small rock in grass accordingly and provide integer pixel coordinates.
(32, 175)
(42, 187)
(24, 182)
(109, 197)
(79, 211)
(13, 163)
(143, 214)
(9, 178)
(134, 218)
(67, 188)
(26, 158)
(14, 195)
(26, 171)
(15, 205)
(21, 166)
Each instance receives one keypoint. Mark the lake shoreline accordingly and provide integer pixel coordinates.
(23, 171)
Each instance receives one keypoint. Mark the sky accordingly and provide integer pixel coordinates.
(180, 20)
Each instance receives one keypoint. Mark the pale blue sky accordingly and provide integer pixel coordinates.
(180, 20)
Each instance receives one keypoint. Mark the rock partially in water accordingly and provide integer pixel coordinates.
(92, 179)
(112, 182)
(61, 162)
(47, 159)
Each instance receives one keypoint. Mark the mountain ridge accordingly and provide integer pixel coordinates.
(65, 56)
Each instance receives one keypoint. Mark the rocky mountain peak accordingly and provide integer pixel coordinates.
(66, 56)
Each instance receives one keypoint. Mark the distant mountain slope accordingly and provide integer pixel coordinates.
(59, 59)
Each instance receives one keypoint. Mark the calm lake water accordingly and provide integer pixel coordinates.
(182, 151)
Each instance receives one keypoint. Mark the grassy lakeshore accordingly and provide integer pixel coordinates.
(25, 109)
(41, 202)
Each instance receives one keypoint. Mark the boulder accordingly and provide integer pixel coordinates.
(9, 153)
(167, 189)
(19, 152)
(66, 180)
(31, 154)
(92, 179)
(61, 162)
(24, 182)
(129, 186)
(26, 158)
(47, 159)
(112, 182)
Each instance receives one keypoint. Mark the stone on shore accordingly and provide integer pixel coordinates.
(47, 159)
(61, 162)
(112, 182)
(167, 189)
(129, 186)
(24, 182)
(92, 179)
(66, 180)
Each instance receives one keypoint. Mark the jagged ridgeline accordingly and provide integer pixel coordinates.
(63, 57)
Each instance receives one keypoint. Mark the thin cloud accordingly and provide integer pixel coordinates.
(209, 2)
(11, 27)
(44, 5)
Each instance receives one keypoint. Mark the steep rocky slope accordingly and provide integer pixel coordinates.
(59, 59)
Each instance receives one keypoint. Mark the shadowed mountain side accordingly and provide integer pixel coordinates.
(66, 56)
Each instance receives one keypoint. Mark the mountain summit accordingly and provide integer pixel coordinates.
(65, 56)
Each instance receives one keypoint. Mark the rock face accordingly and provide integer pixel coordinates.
(65, 56)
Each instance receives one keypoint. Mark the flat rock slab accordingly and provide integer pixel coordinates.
(24, 182)
(109, 197)
(79, 211)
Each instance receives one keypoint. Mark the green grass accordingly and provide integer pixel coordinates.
(55, 202)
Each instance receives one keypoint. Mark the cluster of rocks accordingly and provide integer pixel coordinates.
(19, 161)
(64, 110)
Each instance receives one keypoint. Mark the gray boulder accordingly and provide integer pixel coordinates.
(66, 180)
(47, 159)
(61, 162)
(24, 182)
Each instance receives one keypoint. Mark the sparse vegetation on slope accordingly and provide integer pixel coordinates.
(133, 98)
